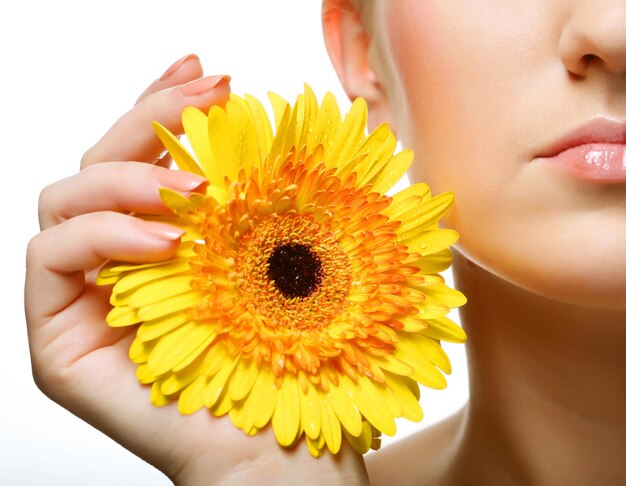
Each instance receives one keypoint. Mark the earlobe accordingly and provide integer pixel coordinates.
(348, 44)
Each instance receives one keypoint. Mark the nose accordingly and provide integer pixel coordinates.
(594, 36)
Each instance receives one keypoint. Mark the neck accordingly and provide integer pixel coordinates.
(547, 387)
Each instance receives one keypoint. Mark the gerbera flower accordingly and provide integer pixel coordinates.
(301, 294)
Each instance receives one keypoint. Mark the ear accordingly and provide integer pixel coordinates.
(348, 44)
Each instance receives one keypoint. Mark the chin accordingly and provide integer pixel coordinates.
(592, 279)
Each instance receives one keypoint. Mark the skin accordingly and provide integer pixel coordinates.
(477, 89)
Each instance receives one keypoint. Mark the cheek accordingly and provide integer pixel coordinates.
(459, 96)
(477, 85)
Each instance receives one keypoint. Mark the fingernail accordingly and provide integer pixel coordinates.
(161, 230)
(176, 66)
(202, 85)
(179, 180)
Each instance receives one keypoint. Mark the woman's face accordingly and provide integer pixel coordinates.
(480, 90)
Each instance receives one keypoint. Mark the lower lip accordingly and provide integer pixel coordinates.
(600, 162)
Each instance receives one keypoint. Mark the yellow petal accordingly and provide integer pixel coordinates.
(278, 145)
(391, 363)
(263, 398)
(290, 139)
(203, 342)
(244, 134)
(286, 417)
(424, 371)
(411, 408)
(157, 398)
(279, 106)
(344, 405)
(429, 242)
(140, 351)
(372, 405)
(243, 378)
(431, 350)
(331, 427)
(217, 382)
(169, 306)
(363, 442)
(154, 291)
(214, 358)
(245, 413)
(262, 123)
(430, 310)
(435, 263)
(326, 123)
(376, 149)
(392, 172)
(308, 117)
(405, 200)
(313, 450)
(105, 277)
(176, 346)
(427, 214)
(135, 279)
(196, 126)
(222, 144)
(318, 442)
(310, 411)
(392, 402)
(190, 399)
(177, 381)
(158, 327)
(122, 316)
(117, 269)
(222, 406)
(444, 295)
(445, 329)
(144, 375)
(413, 324)
(177, 203)
(180, 155)
(349, 136)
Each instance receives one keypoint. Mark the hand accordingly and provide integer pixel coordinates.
(82, 363)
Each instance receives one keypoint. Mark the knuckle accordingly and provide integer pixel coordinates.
(40, 376)
(147, 104)
(48, 210)
(103, 221)
(162, 106)
(49, 379)
(33, 251)
(85, 160)
(44, 203)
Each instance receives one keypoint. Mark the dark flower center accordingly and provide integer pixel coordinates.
(295, 269)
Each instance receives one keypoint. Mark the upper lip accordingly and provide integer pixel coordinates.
(598, 130)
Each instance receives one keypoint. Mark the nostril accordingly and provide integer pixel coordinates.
(587, 58)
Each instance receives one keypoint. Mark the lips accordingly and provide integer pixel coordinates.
(595, 151)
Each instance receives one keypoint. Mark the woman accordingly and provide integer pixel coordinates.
(520, 109)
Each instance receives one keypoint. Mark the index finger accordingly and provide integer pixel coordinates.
(132, 136)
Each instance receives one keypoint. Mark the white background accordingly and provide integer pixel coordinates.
(68, 71)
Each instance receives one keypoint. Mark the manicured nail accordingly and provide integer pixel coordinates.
(176, 66)
(161, 230)
(202, 85)
(179, 180)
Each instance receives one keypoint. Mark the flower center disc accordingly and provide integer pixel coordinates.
(295, 269)
(292, 275)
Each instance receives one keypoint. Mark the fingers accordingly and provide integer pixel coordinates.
(132, 136)
(112, 186)
(58, 257)
(184, 70)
